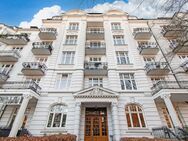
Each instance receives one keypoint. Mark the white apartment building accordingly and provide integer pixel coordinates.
(100, 76)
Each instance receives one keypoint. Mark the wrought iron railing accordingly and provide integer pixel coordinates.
(169, 28)
(146, 45)
(169, 85)
(13, 53)
(15, 36)
(156, 65)
(52, 30)
(42, 45)
(21, 85)
(95, 30)
(91, 45)
(96, 65)
(34, 65)
(164, 132)
(139, 30)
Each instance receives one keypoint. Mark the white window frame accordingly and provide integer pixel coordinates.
(73, 26)
(122, 55)
(53, 112)
(183, 58)
(60, 81)
(6, 68)
(155, 80)
(95, 59)
(67, 57)
(71, 40)
(119, 40)
(17, 48)
(98, 83)
(41, 59)
(149, 59)
(34, 79)
(138, 112)
(116, 26)
(131, 79)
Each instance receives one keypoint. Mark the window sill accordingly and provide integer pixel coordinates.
(138, 130)
(125, 64)
(54, 130)
(70, 44)
(67, 64)
(120, 44)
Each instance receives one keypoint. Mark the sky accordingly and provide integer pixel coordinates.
(25, 13)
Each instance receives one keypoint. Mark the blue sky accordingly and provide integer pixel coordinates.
(12, 12)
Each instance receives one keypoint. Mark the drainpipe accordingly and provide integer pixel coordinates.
(164, 56)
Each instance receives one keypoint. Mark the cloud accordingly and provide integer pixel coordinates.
(145, 9)
(139, 8)
(44, 13)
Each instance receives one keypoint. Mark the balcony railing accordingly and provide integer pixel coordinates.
(9, 55)
(148, 48)
(95, 49)
(157, 68)
(171, 31)
(3, 76)
(96, 68)
(141, 33)
(177, 47)
(48, 33)
(95, 34)
(184, 65)
(42, 48)
(14, 39)
(33, 68)
(21, 85)
(168, 85)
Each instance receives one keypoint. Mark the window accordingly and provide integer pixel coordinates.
(41, 59)
(149, 59)
(57, 116)
(95, 82)
(183, 58)
(118, 40)
(73, 26)
(17, 48)
(71, 40)
(156, 80)
(95, 59)
(96, 44)
(68, 57)
(134, 115)
(6, 68)
(63, 81)
(127, 81)
(122, 57)
(116, 26)
(34, 79)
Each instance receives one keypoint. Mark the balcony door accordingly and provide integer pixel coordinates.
(96, 128)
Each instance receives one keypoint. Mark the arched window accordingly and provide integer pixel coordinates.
(57, 116)
(134, 115)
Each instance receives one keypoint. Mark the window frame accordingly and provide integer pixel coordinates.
(65, 111)
(116, 26)
(131, 79)
(139, 113)
(120, 55)
(67, 60)
(71, 39)
(99, 81)
(74, 26)
(59, 81)
(118, 40)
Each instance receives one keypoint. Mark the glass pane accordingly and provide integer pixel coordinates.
(122, 85)
(135, 120)
(50, 120)
(134, 84)
(64, 120)
(96, 126)
(142, 120)
(57, 120)
(128, 84)
(128, 120)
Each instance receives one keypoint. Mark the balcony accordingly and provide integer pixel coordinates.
(184, 65)
(171, 31)
(47, 33)
(148, 48)
(21, 85)
(3, 76)
(16, 39)
(178, 46)
(98, 48)
(169, 85)
(9, 56)
(95, 34)
(142, 34)
(42, 48)
(157, 69)
(33, 68)
(96, 68)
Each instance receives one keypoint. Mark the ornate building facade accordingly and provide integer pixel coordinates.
(99, 76)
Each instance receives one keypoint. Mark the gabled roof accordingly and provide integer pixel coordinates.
(96, 92)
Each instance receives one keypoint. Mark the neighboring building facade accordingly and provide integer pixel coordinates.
(98, 76)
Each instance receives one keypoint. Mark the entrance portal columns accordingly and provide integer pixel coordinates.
(77, 119)
(115, 122)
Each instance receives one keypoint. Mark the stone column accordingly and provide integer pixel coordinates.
(115, 122)
(171, 110)
(77, 119)
(20, 115)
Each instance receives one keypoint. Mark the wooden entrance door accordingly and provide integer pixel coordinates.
(96, 128)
